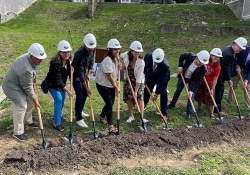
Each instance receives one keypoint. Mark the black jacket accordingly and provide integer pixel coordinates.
(57, 75)
(185, 61)
(81, 63)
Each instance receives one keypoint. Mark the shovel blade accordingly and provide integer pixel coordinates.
(222, 120)
(167, 129)
(44, 145)
(68, 141)
(240, 117)
(146, 128)
(95, 136)
(198, 125)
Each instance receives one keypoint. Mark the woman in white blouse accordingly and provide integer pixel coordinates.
(134, 65)
(106, 77)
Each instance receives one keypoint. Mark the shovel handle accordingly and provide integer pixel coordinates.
(234, 95)
(91, 106)
(118, 95)
(204, 79)
(70, 98)
(157, 107)
(244, 88)
(40, 118)
(190, 99)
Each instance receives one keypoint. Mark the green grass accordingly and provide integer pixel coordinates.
(48, 22)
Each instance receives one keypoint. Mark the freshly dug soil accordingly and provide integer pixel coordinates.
(107, 150)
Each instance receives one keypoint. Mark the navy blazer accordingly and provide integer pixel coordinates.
(243, 55)
(227, 62)
(185, 61)
(160, 76)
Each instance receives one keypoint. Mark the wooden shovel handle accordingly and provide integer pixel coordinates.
(190, 99)
(234, 95)
(157, 107)
(204, 79)
(90, 102)
(118, 95)
(245, 90)
(70, 98)
(40, 118)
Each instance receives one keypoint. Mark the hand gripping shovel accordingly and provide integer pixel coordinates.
(245, 90)
(191, 102)
(144, 126)
(94, 135)
(44, 145)
(118, 104)
(220, 119)
(236, 101)
(71, 139)
(166, 125)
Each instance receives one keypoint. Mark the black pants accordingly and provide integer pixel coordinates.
(219, 91)
(108, 96)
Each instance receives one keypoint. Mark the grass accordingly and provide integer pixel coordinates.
(48, 22)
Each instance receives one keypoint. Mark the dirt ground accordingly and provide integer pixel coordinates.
(125, 149)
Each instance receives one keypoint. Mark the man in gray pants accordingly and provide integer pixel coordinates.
(18, 86)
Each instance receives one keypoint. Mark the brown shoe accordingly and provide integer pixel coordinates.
(223, 113)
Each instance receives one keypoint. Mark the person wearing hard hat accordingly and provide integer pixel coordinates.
(193, 68)
(59, 71)
(243, 63)
(18, 85)
(82, 63)
(106, 78)
(157, 73)
(134, 65)
(245, 54)
(202, 95)
(228, 63)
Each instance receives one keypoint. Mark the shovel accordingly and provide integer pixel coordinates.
(94, 135)
(236, 101)
(44, 144)
(191, 102)
(144, 126)
(166, 125)
(220, 119)
(245, 90)
(118, 104)
(71, 139)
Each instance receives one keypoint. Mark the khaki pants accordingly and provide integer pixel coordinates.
(236, 80)
(22, 115)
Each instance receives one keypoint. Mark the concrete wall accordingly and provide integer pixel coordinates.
(240, 8)
(11, 8)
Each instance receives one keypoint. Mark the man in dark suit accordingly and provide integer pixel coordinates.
(228, 63)
(193, 69)
(157, 73)
(243, 58)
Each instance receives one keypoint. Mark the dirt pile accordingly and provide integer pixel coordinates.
(108, 150)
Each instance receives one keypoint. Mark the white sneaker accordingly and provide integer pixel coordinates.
(130, 119)
(145, 120)
(84, 114)
(82, 123)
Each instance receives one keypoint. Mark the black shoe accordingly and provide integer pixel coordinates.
(188, 117)
(33, 125)
(20, 137)
(58, 128)
(171, 106)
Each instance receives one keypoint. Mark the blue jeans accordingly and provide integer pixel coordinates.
(177, 93)
(81, 96)
(108, 96)
(59, 97)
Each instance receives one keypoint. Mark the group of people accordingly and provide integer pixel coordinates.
(154, 69)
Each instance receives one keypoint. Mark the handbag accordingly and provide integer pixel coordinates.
(45, 86)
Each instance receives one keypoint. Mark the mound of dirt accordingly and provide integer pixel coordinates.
(108, 150)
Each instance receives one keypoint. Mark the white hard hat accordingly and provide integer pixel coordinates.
(216, 52)
(64, 46)
(241, 42)
(114, 44)
(37, 51)
(203, 56)
(90, 41)
(136, 46)
(158, 55)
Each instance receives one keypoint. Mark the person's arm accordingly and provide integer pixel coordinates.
(112, 81)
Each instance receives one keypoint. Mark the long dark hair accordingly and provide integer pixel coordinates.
(214, 64)
(130, 55)
(110, 54)
(58, 59)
